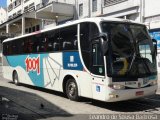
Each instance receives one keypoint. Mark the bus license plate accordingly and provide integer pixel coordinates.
(139, 93)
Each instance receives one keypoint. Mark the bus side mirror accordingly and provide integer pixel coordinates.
(104, 43)
(105, 47)
(155, 45)
(104, 36)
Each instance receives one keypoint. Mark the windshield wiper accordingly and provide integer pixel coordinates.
(133, 59)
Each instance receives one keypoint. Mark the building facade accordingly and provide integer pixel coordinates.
(3, 18)
(3, 15)
(36, 14)
(26, 16)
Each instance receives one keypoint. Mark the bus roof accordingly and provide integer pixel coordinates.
(69, 23)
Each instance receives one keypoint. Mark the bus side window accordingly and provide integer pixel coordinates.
(55, 46)
(90, 51)
(75, 44)
(53, 40)
(30, 45)
(21, 47)
(9, 48)
(43, 40)
(37, 43)
(14, 47)
(67, 37)
(50, 46)
(67, 45)
(97, 60)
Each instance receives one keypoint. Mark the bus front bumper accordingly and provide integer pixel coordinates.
(127, 94)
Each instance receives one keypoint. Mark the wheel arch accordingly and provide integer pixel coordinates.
(66, 78)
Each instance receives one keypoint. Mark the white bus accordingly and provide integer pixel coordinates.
(100, 58)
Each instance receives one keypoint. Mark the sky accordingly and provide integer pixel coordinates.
(3, 3)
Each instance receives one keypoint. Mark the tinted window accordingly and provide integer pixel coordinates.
(68, 38)
(87, 32)
(55, 40)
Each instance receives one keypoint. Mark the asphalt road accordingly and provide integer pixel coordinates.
(31, 103)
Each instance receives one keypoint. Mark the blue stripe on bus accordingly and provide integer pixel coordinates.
(37, 79)
(71, 61)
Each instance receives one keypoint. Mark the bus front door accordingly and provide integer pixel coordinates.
(98, 72)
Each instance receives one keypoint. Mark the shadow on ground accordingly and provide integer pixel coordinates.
(136, 105)
(27, 106)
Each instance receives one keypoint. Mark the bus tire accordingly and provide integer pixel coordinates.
(72, 90)
(15, 78)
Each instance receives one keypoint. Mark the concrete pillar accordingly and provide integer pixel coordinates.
(7, 28)
(23, 25)
(42, 25)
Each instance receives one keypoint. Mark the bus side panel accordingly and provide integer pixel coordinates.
(72, 66)
(42, 70)
(52, 66)
(85, 80)
(7, 70)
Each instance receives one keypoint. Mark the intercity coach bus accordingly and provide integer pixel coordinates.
(106, 59)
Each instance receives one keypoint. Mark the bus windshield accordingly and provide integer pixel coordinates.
(131, 52)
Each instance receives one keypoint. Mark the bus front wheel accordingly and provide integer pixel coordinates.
(72, 90)
(15, 78)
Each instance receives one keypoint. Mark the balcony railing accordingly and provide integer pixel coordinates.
(41, 5)
(10, 7)
(29, 8)
(112, 2)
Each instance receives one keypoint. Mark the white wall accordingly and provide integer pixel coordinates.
(85, 8)
(129, 9)
(152, 7)
(99, 8)
(152, 13)
(3, 15)
(121, 7)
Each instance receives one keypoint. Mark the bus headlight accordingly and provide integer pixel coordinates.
(153, 82)
(117, 86)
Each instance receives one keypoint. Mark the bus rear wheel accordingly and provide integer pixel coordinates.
(15, 78)
(72, 90)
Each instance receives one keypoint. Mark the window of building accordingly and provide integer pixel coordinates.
(80, 9)
(30, 30)
(33, 29)
(10, 17)
(37, 27)
(26, 1)
(10, 7)
(15, 14)
(18, 2)
(112, 2)
(26, 30)
(19, 12)
(94, 5)
(26, 9)
(31, 7)
(15, 3)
